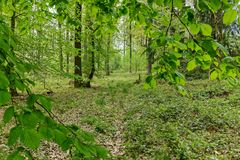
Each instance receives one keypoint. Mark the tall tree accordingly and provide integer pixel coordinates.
(92, 63)
(150, 56)
(78, 46)
(10, 67)
(130, 46)
(68, 55)
(107, 56)
(60, 47)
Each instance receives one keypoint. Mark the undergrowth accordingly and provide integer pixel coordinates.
(135, 123)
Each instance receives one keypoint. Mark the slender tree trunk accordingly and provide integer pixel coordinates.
(130, 41)
(60, 48)
(124, 44)
(68, 39)
(107, 60)
(78, 46)
(13, 89)
(90, 77)
(150, 57)
(98, 56)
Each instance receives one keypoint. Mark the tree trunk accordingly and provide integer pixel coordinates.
(78, 46)
(107, 60)
(13, 89)
(68, 39)
(150, 57)
(124, 43)
(130, 41)
(60, 47)
(90, 77)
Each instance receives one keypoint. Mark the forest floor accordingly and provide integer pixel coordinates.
(137, 123)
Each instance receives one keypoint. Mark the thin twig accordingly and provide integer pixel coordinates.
(189, 32)
(170, 23)
(171, 19)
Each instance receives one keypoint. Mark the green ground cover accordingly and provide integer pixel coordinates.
(136, 123)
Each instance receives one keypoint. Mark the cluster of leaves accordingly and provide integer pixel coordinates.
(35, 122)
(193, 40)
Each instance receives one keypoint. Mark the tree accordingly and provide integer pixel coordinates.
(130, 46)
(107, 57)
(78, 46)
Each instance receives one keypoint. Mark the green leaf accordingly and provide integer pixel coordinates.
(84, 149)
(222, 48)
(213, 5)
(239, 21)
(4, 97)
(229, 16)
(191, 65)
(141, 18)
(60, 137)
(179, 78)
(150, 82)
(14, 135)
(206, 29)
(228, 59)
(4, 45)
(8, 115)
(180, 45)
(31, 100)
(85, 136)
(194, 28)
(19, 85)
(46, 132)
(206, 58)
(46, 102)
(191, 45)
(214, 75)
(66, 144)
(30, 138)
(39, 115)
(178, 4)
(29, 120)
(159, 2)
(15, 155)
(3, 81)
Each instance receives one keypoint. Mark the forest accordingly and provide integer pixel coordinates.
(119, 79)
